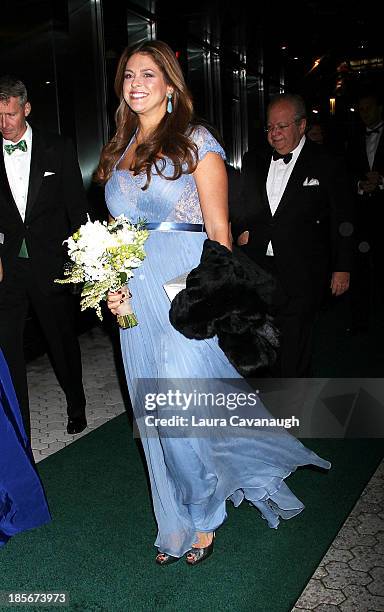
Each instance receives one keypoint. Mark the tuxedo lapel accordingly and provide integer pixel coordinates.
(360, 153)
(300, 171)
(364, 163)
(264, 199)
(264, 196)
(36, 171)
(378, 163)
(5, 189)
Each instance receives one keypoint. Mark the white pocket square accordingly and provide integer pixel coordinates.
(48, 173)
(1, 238)
(310, 182)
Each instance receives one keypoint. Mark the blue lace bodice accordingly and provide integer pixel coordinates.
(163, 200)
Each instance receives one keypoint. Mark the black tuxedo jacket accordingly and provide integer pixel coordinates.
(369, 207)
(311, 228)
(358, 160)
(56, 207)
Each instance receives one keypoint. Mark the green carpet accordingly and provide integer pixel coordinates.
(99, 547)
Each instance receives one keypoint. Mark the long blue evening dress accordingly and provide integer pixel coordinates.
(22, 500)
(191, 477)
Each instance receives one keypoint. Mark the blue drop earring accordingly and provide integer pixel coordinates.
(169, 105)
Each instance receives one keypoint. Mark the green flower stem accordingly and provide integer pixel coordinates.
(127, 321)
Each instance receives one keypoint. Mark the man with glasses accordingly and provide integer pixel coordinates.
(295, 220)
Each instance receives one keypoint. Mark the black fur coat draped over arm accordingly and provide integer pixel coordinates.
(228, 295)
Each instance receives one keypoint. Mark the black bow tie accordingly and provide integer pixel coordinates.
(286, 158)
(376, 130)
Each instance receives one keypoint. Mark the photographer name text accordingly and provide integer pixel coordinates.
(232, 421)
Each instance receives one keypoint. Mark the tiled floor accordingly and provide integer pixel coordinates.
(47, 401)
(350, 577)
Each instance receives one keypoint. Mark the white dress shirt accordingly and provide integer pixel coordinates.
(17, 166)
(372, 142)
(277, 179)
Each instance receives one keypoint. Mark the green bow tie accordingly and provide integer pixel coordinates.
(22, 145)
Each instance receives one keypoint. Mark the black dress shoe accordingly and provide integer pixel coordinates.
(76, 425)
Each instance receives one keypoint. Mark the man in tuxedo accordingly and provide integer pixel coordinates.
(294, 219)
(366, 163)
(42, 201)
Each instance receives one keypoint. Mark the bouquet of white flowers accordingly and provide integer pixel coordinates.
(103, 257)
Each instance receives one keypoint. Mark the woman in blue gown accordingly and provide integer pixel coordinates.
(22, 500)
(161, 167)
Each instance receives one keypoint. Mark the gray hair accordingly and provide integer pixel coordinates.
(294, 99)
(10, 87)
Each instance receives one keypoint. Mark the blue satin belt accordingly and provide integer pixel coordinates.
(179, 227)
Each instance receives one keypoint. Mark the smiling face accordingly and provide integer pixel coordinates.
(284, 133)
(145, 89)
(12, 118)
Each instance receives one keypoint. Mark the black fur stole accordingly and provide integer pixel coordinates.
(228, 295)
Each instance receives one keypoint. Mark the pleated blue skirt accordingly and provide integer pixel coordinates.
(193, 473)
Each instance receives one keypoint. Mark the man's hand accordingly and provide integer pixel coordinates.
(340, 282)
(243, 238)
(373, 178)
(367, 186)
(373, 181)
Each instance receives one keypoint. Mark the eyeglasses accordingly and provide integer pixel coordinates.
(279, 126)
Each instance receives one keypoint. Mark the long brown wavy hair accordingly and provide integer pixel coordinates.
(169, 138)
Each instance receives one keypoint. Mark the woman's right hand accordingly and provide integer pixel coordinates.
(116, 300)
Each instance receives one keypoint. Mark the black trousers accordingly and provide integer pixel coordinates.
(367, 279)
(55, 312)
(296, 322)
(295, 317)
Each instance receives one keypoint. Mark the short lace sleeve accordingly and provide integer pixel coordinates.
(205, 142)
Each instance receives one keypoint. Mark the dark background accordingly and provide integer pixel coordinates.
(235, 55)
